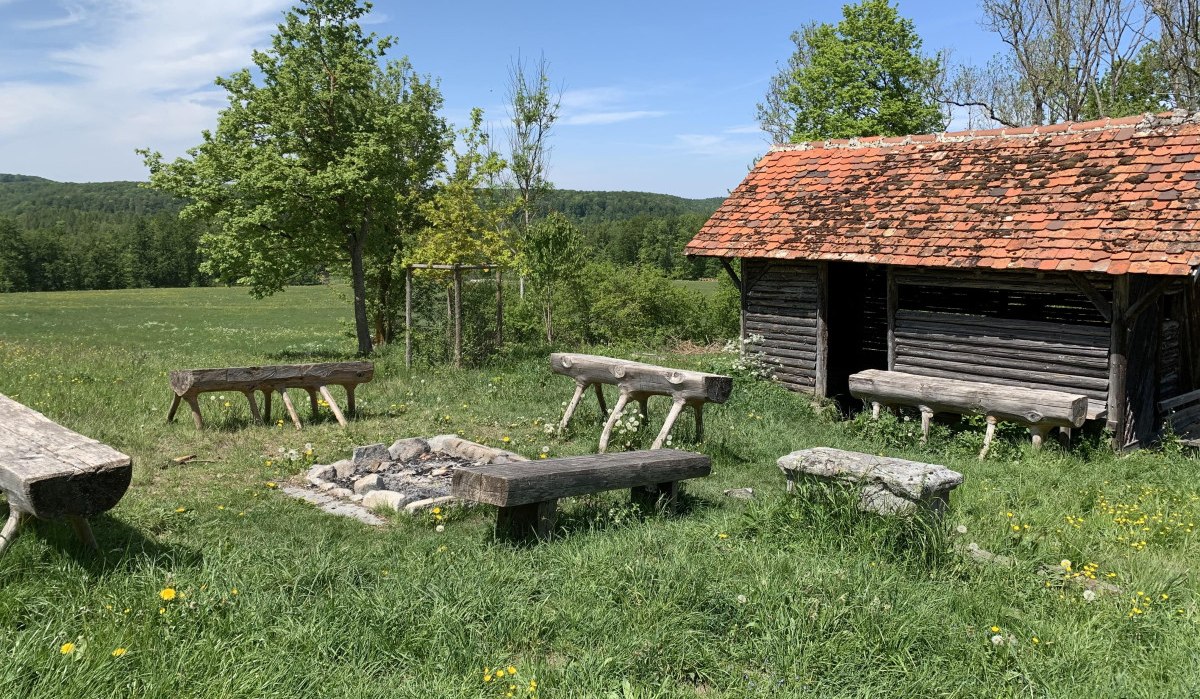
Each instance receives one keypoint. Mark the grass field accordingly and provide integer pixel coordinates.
(777, 596)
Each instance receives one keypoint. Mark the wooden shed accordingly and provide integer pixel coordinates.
(1059, 257)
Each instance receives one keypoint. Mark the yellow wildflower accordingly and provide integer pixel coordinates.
(512, 670)
(118, 652)
(167, 593)
(66, 648)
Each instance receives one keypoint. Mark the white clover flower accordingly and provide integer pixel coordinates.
(997, 640)
(1089, 596)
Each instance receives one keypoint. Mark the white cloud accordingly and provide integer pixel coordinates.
(598, 106)
(719, 144)
(75, 14)
(132, 73)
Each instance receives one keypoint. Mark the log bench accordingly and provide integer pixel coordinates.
(886, 485)
(1181, 414)
(47, 471)
(637, 381)
(1039, 410)
(527, 493)
(187, 384)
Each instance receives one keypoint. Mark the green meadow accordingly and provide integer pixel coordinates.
(210, 582)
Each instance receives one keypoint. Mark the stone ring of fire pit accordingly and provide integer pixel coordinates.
(413, 474)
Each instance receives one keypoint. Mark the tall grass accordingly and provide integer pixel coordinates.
(776, 596)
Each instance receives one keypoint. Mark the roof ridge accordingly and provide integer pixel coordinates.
(1140, 123)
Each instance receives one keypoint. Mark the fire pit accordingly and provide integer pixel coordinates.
(413, 474)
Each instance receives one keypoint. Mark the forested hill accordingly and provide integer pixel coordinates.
(108, 235)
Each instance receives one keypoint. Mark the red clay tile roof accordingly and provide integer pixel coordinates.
(1117, 196)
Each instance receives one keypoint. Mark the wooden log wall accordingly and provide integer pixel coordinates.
(781, 306)
(1012, 329)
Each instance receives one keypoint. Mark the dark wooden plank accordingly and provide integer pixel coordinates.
(1117, 362)
(1086, 365)
(1179, 401)
(984, 325)
(507, 485)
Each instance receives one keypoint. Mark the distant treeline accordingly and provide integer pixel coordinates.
(112, 235)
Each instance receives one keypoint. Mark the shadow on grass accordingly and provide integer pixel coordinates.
(121, 548)
(309, 354)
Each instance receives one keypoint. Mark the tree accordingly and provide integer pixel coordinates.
(1131, 87)
(311, 161)
(1064, 58)
(533, 109)
(14, 255)
(554, 255)
(864, 76)
(1179, 21)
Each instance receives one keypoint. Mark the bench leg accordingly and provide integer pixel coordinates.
(987, 437)
(698, 408)
(578, 395)
(612, 421)
(600, 400)
(676, 408)
(350, 399)
(11, 527)
(313, 408)
(926, 418)
(875, 407)
(644, 408)
(651, 497)
(175, 401)
(525, 522)
(267, 404)
(194, 404)
(253, 406)
(287, 403)
(84, 531)
(333, 406)
(1039, 434)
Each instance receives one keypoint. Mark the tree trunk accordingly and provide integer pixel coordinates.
(362, 326)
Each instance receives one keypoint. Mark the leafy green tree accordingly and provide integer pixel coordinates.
(554, 256)
(14, 256)
(1131, 87)
(310, 159)
(864, 76)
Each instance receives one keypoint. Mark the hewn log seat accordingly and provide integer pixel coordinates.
(1039, 410)
(48, 471)
(527, 493)
(187, 384)
(637, 381)
(1181, 415)
(886, 485)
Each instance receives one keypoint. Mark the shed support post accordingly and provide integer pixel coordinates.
(1118, 362)
(408, 274)
(893, 302)
(821, 380)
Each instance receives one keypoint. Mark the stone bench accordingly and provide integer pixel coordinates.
(48, 471)
(637, 381)
(1039, 410)
(886, 485)
(527, 493)
(187, 384)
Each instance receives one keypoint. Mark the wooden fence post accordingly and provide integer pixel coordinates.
(408, 279)
(457, 317)
(499, 308)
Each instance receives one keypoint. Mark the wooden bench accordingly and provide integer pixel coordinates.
(527, 493)
(637, 381)
(48, 471)
(187, 384)
(886, 485)
(1181, 415)
(1037, 409)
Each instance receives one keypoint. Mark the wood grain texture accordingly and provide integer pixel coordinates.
(266, 378)
(50, 471)
(636, 377)
(1024, 406)
(510, 485)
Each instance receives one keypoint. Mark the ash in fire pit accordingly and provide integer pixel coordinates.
(413, 473)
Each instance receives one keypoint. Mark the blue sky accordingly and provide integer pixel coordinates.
(657, 96)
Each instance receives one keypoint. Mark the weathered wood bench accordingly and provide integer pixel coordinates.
(1181, 415)
(187, 384)
(886, 485)
(1039, 410)
(527, 493)
(48, 471)
(637, 381)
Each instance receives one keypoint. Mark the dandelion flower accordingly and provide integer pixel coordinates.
(437, 510)
(995, 629)
(180, 509)
(1066, 564)
(997, 640)
(272, 484)
(506, 439)
(167, 593)
(1089, 596)
(234, 592)
(512, 670)
(66, 648)
(440, 528)
(722, 535)
(118, 652)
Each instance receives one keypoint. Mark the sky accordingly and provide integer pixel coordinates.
(657, 95)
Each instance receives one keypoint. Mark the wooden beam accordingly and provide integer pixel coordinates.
(1148, 298)
(1089, 290)
(732, 274)
(893, 302)
(499, 308)
(1118, 361)
(821, 386)
(408, 274)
